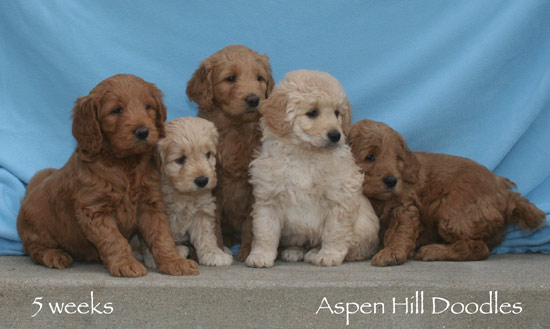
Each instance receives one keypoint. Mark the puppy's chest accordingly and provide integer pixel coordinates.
(299, 177)
(304, 189)
(185, 212)
(236, 150)
(127, 194)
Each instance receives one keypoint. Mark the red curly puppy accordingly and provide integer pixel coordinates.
(108, 190)
(453, 208)
(228, 86)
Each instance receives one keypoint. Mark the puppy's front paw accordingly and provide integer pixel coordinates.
(216, 259)
(323, 258)
(387, 257)
(293, 254)
(257, 259)
(130, 268)
(179, 267)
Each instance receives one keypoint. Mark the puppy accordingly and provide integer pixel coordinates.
(454, 207)
(228, 86)
(307, 186)
(108, 190)
(187, 157)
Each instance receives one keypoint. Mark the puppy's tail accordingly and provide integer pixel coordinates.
(520, 211)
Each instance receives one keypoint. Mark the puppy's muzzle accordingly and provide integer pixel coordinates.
(141, 132)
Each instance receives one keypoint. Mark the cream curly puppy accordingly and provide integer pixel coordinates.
(187, 158)
(307, 187)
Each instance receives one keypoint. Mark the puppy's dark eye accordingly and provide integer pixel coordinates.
(117, 110)
(181, 159)
(231, 78)
(208, 155)
(337, 113)
(370, 158)
(148, 107)
(313, 113)
(260, 78)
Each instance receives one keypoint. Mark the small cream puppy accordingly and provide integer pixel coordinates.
(188, 166)
(307, 187)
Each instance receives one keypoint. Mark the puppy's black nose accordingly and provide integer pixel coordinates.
(252, 100)
(390, 181)
(201, 181)
(334, 136)
(141, 132)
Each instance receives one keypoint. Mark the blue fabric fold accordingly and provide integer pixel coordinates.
(469, 78)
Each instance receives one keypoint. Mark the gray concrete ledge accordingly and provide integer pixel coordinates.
(285, 296)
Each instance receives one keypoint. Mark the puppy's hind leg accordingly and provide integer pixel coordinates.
(292, 254)
(463, 250)
(39, 245)
(365, 233)
(50, 257)
(45, 251)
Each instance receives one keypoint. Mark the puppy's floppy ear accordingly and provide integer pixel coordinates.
(412, 166)
(273, 110)
(214, 134)
(269, 79)
(86, 128)
(352, 133)
(157, 155)
(161, 110)
(199, 88)
(346, 119)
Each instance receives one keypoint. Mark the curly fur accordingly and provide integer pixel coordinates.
(220, 87)
(108, 190)
(307, 186)
(453, 208)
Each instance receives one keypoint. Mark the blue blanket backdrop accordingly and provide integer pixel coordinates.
(470, 78)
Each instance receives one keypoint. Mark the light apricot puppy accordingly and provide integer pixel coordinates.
(188, 167)
(307, 187)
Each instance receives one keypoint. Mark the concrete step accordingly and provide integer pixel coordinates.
(285, 296)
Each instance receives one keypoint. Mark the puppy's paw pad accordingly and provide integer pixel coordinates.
(431, 252)
(128, 268)
(59, 259)
(216, 259)
(388, 257)
(183, 251)
(179, 267)
(293, 254)
(259, 260)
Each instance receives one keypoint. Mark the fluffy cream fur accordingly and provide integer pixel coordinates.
(188, 152)
(307, 187)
